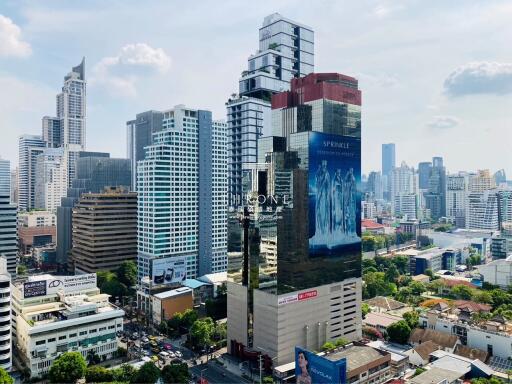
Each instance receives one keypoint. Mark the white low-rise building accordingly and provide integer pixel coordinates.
(493, 337)
(497, 272)
(56, 314)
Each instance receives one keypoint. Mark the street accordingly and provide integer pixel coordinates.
(215, 374)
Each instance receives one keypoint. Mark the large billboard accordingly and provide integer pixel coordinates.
(52, 285)
(169, 270)
(334, 199)
(313, 369)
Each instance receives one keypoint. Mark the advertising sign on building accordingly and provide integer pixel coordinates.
(297, 297)
(66, 283)
(334, 197)
(169, 270)
(313, 369)
(34, 289)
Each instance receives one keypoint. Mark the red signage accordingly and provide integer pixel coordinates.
(307, 295)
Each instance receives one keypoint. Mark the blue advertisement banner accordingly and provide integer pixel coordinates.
(313, 369)
(334, 183)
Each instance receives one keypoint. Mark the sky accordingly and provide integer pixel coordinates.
(436, 76)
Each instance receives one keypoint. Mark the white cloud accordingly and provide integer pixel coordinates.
(443, 122)
(120, 73)
(11, 43)
(480, 78)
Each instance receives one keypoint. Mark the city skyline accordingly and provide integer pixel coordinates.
(424, 105)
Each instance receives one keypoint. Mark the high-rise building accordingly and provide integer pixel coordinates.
(403, 180)
(388, 158)
(8, 234)
(482, 181)
(5, 177)
(457, 187)
(482, 210)
(406, 205)
(104, 230)
(94, 171)
(5, 316)
(140, 135)
(67, 129)
(30, 146)
(424, 171)
(53, 133)
(299, 281)
(286, 51)
(374, 185)
(14, 186)
(182, 201)
(500, 177)
(51, 179)
(435, 197)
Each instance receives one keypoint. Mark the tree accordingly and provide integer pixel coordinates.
(328, 346)
(483, 297)
(401, 263)
(365, 309)
(417, 288)
(175, 373)
(22, 269)
(462, 292)
(419, 371)
(268, 380)
(188, 318)
(201, 332)
(147, 374)
(163, 327)
(369, 265)
(412, 318)
(376, 285)
(114, 288)
(392, 273)
(429, 273)
(68, 368)
(341, 342)
(399, 332)
(93, 358)
(98, 374)
(103, 277)
(124, 374)
(5, 378)
(127, 273)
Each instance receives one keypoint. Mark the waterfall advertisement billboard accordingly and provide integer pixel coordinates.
(334, 198)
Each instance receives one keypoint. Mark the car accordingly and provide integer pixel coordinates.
(167, 346)
(151, 337)
(172, 355)
(153, 344)
(154, 358)
(163, 354)
(155, 349)
(145, 340)
(133, 337)
(135, 334)
(178, 354)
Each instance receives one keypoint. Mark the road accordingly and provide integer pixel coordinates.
(215, 374)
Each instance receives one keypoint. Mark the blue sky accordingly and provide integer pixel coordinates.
(436, 76)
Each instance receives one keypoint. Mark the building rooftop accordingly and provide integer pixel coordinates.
(380, 319)
(357, 356)
(443, 339)
(370, 224)
(426, 348)
(471, 353)
(397, 351)
(435, 375)
(385, 303)
(193, 283)
(173, 292)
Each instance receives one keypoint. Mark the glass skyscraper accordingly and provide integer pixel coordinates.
(29, 147)
(286, 51)
(297, 278)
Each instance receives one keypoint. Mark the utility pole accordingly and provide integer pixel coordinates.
(260, 359)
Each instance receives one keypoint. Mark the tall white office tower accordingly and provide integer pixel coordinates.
(286, 50)
(182, 201)
(30, 146)
(51, 179)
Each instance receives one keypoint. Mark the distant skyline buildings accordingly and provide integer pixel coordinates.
(29, 147)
